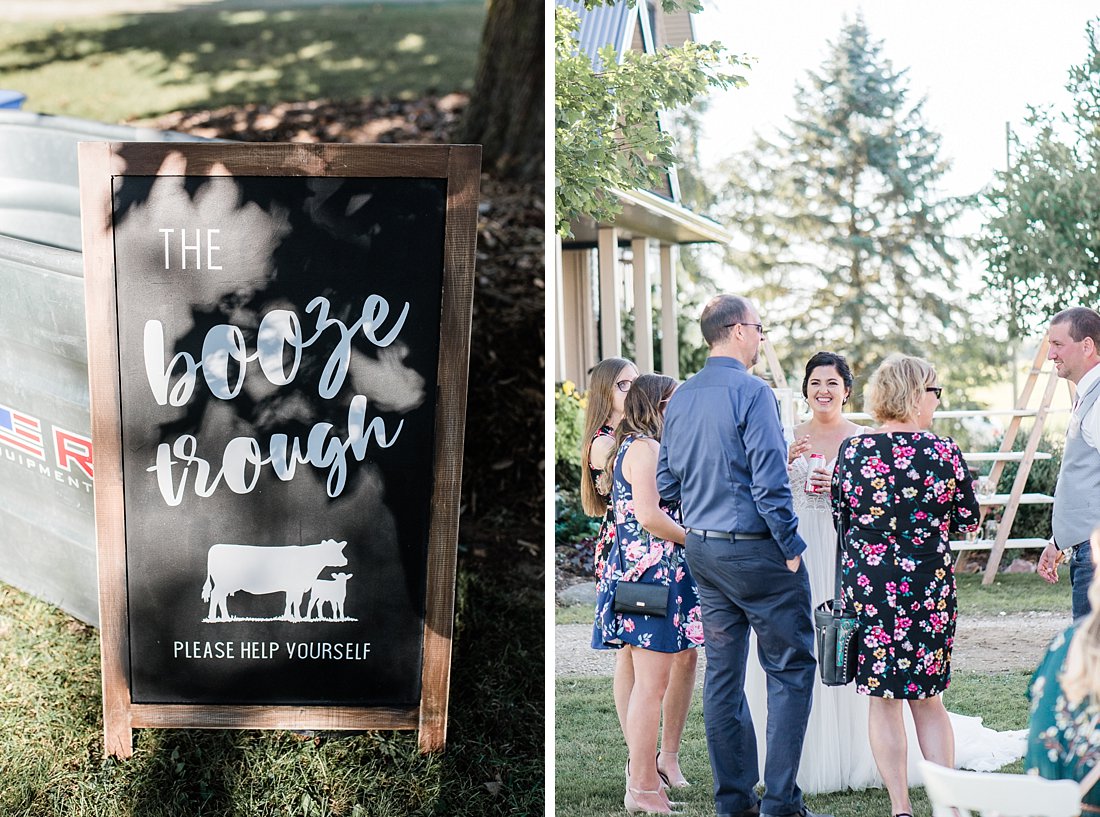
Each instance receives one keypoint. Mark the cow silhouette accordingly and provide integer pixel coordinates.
(331, 591)
(289, 569)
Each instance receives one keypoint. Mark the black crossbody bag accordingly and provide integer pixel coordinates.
(836, 629)
(640, 598)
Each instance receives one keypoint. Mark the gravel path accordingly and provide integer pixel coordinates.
(982, 644)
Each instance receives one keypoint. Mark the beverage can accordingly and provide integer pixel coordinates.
(816, 461)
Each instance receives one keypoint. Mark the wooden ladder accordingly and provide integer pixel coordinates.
(1005, 453)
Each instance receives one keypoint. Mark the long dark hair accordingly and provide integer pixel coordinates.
(643, 414)
(601, 388)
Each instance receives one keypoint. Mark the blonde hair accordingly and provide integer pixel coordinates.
(1081, 676)
(643, 415)
(600, 395)
(895, 389)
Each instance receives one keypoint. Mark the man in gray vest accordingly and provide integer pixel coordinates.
(1075, 349)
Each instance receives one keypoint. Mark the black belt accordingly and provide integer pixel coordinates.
(729, 537)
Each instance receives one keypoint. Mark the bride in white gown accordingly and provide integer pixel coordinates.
(836, 754)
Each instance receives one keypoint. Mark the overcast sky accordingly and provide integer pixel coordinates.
(979, 62)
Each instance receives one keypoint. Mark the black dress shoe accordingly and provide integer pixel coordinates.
(749, 812)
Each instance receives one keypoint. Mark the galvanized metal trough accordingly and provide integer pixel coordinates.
(47, 525)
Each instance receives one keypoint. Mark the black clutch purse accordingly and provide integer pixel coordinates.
(641, 598)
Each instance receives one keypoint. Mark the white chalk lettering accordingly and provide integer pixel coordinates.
(279, 328)
(326, 651)
(203, 649)
(259, 649)
(242, 458)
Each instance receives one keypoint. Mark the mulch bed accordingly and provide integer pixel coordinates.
(502, 479)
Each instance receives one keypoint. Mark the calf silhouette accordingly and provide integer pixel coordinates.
(289, 569)
(331, 591)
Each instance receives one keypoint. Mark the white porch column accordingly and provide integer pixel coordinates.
(559, 313)
(670, 339)
(643, 306)
(611, 322)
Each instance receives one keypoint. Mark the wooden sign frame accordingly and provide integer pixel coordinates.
(100, 164)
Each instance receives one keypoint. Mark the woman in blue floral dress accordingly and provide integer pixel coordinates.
(648, 547)
(900, 492)
(1064, 738)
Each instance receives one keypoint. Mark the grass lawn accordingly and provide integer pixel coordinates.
(590, 753)
(1013, 593)
(1009, 593)
(51, 741)
(137, 66)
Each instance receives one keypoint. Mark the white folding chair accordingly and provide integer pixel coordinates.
(956, 793)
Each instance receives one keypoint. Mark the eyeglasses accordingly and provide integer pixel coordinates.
(759, 326)
(936, 390)
(623, 385)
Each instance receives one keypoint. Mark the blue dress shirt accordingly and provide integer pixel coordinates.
(724, 457)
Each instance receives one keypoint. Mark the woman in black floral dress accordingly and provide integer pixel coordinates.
(900, 492)
(608, 384)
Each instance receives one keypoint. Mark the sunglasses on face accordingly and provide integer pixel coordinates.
(936, 390)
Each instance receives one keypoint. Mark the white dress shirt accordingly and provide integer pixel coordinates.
(1090, 423)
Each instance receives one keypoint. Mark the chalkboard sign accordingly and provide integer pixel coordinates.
(278, 339)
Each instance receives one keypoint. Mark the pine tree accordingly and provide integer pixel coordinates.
(846, 232)
(1042, 241)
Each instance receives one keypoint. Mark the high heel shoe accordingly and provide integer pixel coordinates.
(664, 780)
(679, 783)
(631, 804)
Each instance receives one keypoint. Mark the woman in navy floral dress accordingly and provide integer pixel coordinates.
(648, 547)
(608, 384)
(900, 492)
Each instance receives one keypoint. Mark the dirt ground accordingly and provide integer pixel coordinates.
(982, 644)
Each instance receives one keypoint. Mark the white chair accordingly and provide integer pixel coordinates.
(956, 793)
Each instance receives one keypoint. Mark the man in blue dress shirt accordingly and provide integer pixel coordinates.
(724, 457)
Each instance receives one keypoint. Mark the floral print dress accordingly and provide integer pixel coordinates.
(637, 555)
(1064, 740)
(900, 496)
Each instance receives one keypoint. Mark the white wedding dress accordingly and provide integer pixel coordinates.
(836, 754)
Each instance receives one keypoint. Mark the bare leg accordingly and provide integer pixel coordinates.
(643, 719)
(886, 731)
(934, 733)
(675, 706)
(623, 684)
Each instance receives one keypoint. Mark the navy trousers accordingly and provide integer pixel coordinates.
(747, 584)
(1080, 577)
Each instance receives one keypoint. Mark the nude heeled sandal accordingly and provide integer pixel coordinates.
(630, 803)
(681, 783)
